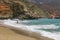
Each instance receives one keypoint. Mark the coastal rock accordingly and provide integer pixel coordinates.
(22, 10)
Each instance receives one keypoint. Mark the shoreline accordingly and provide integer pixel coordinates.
(26, 32)
(29, 33)
(32, 34)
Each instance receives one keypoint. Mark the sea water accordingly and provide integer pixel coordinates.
(47, 27)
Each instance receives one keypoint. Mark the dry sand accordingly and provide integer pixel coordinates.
(8, 34)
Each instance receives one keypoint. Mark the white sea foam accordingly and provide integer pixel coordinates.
(52, 26)
(32, 28)
(55, 35)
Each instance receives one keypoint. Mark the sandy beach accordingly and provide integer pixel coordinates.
(8, 34)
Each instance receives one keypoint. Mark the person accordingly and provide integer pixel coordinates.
(17, 21)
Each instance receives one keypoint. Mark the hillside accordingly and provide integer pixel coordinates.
(20, 9)
(29, 9)
(50, 7)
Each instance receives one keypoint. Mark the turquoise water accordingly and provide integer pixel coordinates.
(45, 22)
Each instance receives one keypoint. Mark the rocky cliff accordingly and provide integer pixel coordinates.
(21, 9)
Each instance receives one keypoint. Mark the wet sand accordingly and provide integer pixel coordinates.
(8, 34)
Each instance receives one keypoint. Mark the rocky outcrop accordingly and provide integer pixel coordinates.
(23, 10)
(5, 11)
